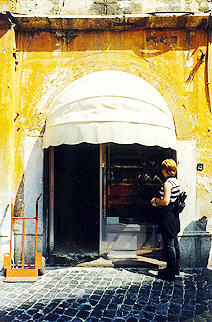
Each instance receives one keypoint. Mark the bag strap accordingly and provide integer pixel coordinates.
(172, 182)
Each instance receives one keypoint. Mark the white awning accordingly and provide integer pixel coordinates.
(110, 106)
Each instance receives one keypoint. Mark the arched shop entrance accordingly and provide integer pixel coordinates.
(107, 134)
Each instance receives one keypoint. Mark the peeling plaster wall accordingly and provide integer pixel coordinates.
(33, 186)
(37, 65)
(46, 62)
(110, 7)
(6, 135)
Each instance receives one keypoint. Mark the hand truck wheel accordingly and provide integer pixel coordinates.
(41, 271)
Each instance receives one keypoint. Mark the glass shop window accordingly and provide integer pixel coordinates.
(133, 178)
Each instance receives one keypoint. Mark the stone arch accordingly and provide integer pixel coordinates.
(130, 63)
(110, 106)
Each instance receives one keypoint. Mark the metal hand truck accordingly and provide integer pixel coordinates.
(24, 272)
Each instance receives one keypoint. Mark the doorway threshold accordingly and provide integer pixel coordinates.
(125, 259)
(144, 259)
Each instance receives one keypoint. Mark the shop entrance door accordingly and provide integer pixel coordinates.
(102, 199)
(132, 178)
(76, 200)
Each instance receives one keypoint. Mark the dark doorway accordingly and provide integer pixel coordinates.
(76, 200)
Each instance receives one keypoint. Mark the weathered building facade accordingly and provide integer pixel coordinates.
(46, 50)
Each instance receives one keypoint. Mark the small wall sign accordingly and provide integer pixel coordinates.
(200, 166)
(112, 220)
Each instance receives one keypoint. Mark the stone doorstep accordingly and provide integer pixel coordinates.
(100, 262)
(124, 261)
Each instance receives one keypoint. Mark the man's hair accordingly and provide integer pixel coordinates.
(170, 166)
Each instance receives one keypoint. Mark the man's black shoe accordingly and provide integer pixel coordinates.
(166, 275)
(177, 271)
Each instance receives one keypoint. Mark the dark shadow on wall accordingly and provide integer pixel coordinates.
(3, 32)
(3, 218)
(24, 205)
(195, 244)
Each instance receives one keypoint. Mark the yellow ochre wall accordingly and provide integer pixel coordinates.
(7, 148)
(36, 66)
(8, 5)
(5, 5)
(47, 62)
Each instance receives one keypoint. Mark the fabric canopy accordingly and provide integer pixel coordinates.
(110, 106)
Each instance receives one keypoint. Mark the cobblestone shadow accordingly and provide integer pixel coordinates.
(108, 294)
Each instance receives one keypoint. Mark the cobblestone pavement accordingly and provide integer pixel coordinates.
(107, 294)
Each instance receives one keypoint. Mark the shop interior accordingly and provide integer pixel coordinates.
(132, 177)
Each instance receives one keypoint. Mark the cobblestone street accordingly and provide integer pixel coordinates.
(108, 294)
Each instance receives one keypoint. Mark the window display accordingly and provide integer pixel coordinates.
(133, 178)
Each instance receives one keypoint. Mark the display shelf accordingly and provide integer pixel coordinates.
(133, 179)
(133, 184)
(118, 166)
